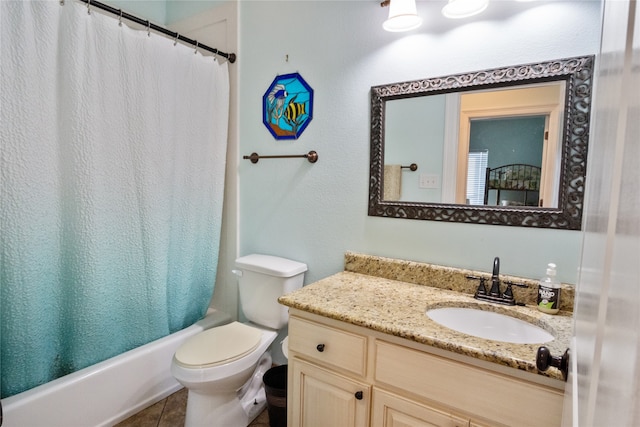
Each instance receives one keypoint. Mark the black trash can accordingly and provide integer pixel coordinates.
(275, 387)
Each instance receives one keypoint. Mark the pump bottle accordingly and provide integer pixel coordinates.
(549, 291)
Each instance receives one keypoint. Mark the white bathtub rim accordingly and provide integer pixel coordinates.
(43, 401)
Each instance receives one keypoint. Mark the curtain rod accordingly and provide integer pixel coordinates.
(151, 26)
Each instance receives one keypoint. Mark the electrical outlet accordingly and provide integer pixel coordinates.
(429, 181)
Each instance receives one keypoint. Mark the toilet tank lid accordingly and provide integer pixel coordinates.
(271, 265)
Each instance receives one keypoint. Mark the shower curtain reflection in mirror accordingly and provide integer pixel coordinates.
(113, 157)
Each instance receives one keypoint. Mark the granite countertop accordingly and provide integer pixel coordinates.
(398, 308)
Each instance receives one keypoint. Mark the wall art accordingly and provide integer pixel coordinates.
(287, 106)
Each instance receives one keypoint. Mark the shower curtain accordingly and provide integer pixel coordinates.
(112, 167)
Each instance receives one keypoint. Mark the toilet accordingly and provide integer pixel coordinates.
(222, 367)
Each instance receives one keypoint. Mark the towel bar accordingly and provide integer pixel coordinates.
(412, 166)
(311, 156)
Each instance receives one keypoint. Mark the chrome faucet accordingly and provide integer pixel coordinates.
(495, 295)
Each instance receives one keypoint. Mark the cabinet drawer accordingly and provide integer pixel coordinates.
(329, 346)
(475, 391)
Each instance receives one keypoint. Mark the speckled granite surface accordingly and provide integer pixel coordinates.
(397, 307)
(454, 279)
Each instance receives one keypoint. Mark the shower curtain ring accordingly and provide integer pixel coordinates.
(61, 2)
(196, 50)
(120, 19)
(175, 41)
(148, 28)
(89, 7)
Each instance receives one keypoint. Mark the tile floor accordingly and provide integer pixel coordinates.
(170, 413)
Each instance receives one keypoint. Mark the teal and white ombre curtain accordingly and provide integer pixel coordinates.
(112, 169)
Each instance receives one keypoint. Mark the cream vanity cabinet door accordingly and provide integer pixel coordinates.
(323, 399)
(391, 410)
(490, 398)
(327, 369)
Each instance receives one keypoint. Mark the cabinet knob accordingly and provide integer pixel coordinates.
(359, 395)
(320, 347)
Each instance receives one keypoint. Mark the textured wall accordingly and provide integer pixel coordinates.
(314, 213)
(153, 10)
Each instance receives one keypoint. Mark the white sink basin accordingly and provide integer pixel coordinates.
(489, 325)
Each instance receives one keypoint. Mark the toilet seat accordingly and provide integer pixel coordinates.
(217, 346)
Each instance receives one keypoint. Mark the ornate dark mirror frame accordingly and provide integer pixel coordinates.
(577, 72)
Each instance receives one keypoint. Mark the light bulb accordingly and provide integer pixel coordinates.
(456, 9)
(403, 16)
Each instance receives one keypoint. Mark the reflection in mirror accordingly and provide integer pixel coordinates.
(509, 126)
(505, 162)
(504, 146)
(415, 134)
(520, 130)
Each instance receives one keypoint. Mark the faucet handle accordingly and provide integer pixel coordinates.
(482, 290)
(520, 285)
(508, 293)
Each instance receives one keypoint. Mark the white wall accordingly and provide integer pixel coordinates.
(163, 12)
(178, 10)
(315, 212)
(153, 10)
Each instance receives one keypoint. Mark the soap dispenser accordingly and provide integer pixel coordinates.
(549, 291)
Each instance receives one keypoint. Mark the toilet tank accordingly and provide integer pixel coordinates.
(263, 279)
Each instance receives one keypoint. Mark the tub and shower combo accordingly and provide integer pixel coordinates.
(107, 392)
(113, 180)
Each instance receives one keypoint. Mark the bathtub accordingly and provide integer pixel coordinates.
(107, 392)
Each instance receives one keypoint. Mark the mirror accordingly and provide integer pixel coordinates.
(505, 146)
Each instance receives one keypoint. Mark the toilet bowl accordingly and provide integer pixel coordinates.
(222, 367)
(225, 386)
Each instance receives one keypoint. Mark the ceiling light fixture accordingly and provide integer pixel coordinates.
(403, 15)
(456, 9)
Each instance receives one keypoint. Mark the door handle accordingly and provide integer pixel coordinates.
(544, 359)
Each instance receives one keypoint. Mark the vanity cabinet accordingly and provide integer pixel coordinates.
(345, 375)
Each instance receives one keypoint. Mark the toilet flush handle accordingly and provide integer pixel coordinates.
(237, 272)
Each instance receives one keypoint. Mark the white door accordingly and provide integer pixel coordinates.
(605, 388)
